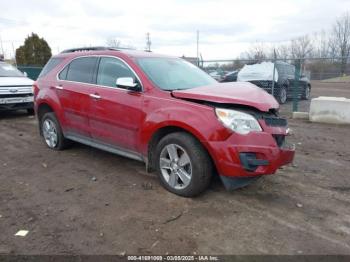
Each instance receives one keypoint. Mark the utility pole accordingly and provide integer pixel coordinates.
(197, 48)
(148, 42)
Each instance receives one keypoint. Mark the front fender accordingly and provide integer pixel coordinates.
(201, 123)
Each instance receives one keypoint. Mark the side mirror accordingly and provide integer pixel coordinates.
(128, 83)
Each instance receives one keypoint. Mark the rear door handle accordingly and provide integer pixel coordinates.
(95, 96)
(59, 87)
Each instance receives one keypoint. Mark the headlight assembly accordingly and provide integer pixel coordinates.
(239, 122)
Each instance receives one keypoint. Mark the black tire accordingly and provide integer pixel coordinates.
(201, 164)
(30, 111)
(282, 95)
(62, 142)
(306, 93)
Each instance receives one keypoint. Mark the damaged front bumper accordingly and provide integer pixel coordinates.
(243, 159)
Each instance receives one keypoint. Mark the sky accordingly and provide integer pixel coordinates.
(226, 27)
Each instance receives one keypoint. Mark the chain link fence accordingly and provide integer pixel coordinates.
(293, 82)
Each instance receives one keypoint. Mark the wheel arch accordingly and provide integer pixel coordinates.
(163, 131)
(42, 109)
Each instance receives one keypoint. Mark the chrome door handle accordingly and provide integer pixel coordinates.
(59, 87)
(95, 96)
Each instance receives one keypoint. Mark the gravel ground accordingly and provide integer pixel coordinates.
(86, 201)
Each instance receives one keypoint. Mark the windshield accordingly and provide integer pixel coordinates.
(174, 73)
(8, 70)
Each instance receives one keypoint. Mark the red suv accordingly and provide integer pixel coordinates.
(163, 111)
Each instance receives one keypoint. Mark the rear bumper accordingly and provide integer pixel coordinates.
(256, 154)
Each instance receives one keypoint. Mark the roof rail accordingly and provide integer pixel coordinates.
(82, 49)
(92, 48)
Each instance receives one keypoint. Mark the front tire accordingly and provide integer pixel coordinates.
(52, 132)
(183, 165)
(282, 95)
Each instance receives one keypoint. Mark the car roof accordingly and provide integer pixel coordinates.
(109, 51)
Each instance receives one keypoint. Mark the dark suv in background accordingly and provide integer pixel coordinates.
(262, 74)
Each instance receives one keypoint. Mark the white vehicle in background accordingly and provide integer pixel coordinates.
(16, 90)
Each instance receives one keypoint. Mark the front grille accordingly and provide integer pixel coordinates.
(275, 121)
(15, 95)
(15, 90)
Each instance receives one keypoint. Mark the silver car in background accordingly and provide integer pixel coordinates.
(16, 90)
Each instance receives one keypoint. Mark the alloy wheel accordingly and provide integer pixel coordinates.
(175, 166)
(307, 92)
(50, 133)
(283, 95)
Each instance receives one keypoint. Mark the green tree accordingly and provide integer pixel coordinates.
(35, 51)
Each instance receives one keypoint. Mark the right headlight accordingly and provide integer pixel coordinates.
(237, 121)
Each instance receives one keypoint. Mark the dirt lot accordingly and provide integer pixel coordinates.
(304, 209)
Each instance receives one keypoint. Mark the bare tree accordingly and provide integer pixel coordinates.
(283, 52)
(341, 39)
(301, 47)
(321, 42)
(113, 42)
(257, 52)
(332, 45)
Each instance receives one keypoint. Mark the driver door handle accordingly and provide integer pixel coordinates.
(95, 96)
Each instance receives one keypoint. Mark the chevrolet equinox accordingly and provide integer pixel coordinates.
(163, 111)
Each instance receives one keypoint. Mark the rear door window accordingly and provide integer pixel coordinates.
(82, 70)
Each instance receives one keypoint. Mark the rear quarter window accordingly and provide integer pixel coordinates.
(63, 74)
(51, 64)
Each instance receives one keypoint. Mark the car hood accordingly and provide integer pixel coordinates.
(238, 93)
(15, 81)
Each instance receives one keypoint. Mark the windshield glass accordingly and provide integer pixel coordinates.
(9, 71)
(174, 73)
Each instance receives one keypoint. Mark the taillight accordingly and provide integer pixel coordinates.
(35, 88)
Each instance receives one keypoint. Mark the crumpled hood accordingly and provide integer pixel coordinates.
(15, 81)
(239, 93)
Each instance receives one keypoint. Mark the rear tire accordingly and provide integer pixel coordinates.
(183, 165)
(306, 93)
(52, 132)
